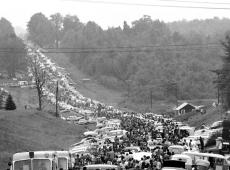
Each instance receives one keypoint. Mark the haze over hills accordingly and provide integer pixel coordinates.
(20, 32)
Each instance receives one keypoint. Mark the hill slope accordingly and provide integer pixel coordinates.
(91, 89)
(31, 130)
(196, 119)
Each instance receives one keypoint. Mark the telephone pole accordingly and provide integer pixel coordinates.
(176, 89)
(151, 99)
(57, 90)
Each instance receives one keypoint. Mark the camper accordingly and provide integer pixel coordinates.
(217, 161)
(47, 160)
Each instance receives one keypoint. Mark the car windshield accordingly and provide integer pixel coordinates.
(38, 164)
(41, 164)
(22, 165)
(62, 163)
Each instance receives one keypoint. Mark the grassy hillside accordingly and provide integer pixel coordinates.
(31, 130)
(24, 96)
(91, 88)
(196, 119)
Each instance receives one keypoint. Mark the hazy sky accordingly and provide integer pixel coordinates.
(18, 12)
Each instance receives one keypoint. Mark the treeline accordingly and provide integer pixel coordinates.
(12, 50)
(148, 55)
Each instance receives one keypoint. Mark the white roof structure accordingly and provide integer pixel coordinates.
(183, 105)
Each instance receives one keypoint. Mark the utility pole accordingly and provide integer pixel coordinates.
(151, 99)
(57, 100)
(176, 89)
(218, 88)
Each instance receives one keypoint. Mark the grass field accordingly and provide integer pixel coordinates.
(22, 130)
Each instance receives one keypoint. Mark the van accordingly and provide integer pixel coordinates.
(48, 160)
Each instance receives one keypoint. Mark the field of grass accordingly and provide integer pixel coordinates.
(22, 130)
(196, 119)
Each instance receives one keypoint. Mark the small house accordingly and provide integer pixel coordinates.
(184, 108)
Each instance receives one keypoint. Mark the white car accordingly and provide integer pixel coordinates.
(82, 121)
(89, 139)
(90, 133)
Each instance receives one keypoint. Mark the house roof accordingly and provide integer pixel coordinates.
(183, 105)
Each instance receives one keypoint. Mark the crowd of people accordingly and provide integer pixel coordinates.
(141, 132)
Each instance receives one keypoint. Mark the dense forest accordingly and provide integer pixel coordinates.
(12, 50)
(173, 60)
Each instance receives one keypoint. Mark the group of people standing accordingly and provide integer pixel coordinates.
(141, 132)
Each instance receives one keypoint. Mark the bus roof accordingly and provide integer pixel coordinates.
(39, 155)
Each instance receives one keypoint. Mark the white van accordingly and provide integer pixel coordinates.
(48, 160)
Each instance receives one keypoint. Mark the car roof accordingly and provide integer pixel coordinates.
(101, 166)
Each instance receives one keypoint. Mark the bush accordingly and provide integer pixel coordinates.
(10, 105)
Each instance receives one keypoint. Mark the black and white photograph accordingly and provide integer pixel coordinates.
(115, 85)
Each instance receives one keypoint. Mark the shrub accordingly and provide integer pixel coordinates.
(10, 105)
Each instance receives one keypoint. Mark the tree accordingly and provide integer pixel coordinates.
(10, 105)
(1, 102)
(13, 56)
(41, 31)
(40, 76)
(223, 81)
(71, 23)
(57, 21)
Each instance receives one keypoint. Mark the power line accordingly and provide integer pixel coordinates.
(120, 51)
(144, 46)
(198, 2)
(125, 47)
(153, 5)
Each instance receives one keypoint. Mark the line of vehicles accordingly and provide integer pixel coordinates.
(50, 160)
(64, 160)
